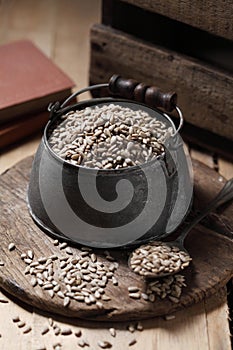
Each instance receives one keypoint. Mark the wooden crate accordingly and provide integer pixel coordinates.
(204, 90)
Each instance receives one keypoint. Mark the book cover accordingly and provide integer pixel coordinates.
(29, 80)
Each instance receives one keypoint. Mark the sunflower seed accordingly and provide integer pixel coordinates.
(27, 330)
(78, 333)
(131, 328)
(30, 254)
(139, 326)
(104, 344)
(132, 342)
(66, 301)
(21, 324)
(112, 332)
(63, 245)
(169, 317)
(82, 343)
(69, 251)
(66, 331)
(33, 281)
(4, 301)
(45, 330)
(11, 246)
(50, 321)
(16, 319)
(57, 330)
(134, 295)
(132, 289)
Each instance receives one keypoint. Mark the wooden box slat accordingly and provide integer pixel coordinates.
(210, 15)
(205, 94)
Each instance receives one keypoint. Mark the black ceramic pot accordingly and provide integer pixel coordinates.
(110, 208)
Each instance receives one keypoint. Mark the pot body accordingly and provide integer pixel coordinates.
(110, 208)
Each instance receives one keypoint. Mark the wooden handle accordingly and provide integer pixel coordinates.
(150, 95)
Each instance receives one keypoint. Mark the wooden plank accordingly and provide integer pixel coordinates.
(188, 328)
(212, 16)
(216, 320)
(202, 91)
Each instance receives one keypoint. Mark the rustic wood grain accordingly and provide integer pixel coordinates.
(188, 326)
(193, 328)
(200, 88)
(212, 16)
(210, 270)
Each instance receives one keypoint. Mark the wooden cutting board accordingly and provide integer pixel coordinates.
(211, 268)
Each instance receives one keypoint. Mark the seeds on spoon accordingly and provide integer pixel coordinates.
(158, 259)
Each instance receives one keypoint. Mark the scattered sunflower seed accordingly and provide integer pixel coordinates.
(66, 301)
(69, 251)
(135, 295)
(139, 326)
(30, 254)
(112, 332)
(169, 317)
(4, 301)
(33, 281)
(21, 324)
(131, 328)
(57, 330)
(78, 333)
(45, 330)
(82, 343)
(104, 344)
(63, 245)
(11, 246)
(66, 331)
(50, 321)
(132, 342)
(27, 330)
(57, 346)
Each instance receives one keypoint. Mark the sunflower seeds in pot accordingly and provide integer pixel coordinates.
(147, 135)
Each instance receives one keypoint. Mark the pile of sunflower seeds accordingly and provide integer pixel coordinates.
(85, 276)
(168, 286)
(109, 137)
(82, 277)
(158, 258)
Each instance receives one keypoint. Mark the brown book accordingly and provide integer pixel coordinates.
(29, 81)
(21, 128)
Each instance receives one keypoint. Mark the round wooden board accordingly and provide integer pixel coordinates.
(211, 268)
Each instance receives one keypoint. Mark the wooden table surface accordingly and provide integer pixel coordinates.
(60, 28)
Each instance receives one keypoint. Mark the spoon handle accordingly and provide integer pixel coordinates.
(225, 195)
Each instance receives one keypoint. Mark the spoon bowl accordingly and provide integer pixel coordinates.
(159, 259)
